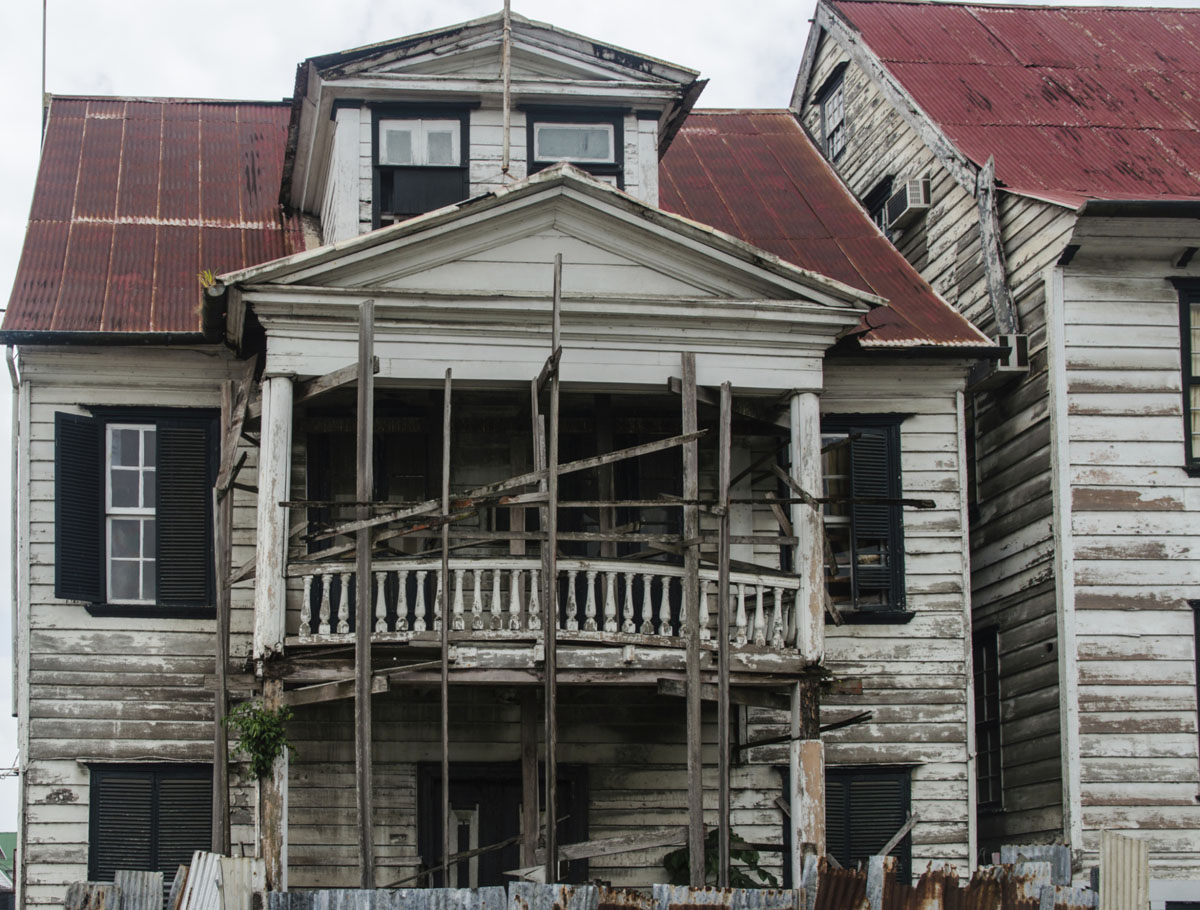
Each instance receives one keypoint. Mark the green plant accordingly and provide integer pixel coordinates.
(261, 734)
(678, 864)
(207, 278)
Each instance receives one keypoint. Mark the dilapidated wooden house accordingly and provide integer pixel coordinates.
(1038, 166)
(551, 451)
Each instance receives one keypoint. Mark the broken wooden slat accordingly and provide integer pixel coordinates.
(232, 423)
(311, 388)
(667, 836)
(333, 691)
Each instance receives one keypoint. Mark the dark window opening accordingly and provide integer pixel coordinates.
(986, 657)
(860, 463)
(421, 158)
(148, 818)
(832, 101)
(875, 202)
(590, 139)
(133, 510)
(1189, 357)
(864, 808)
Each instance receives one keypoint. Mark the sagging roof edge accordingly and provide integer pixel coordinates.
(1140, 208)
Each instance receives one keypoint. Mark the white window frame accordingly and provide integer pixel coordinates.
(833, 119)
(539, 125)
(420, 129)
(142, 513)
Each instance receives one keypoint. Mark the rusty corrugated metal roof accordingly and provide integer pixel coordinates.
(134, 197)
(756, 175)
(1075, 103)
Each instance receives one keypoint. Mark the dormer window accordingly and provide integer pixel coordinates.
(831, 99)
(420, 161)
(589, 139)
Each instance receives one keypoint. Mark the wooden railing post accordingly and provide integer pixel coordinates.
(274, 470)
(273, 804)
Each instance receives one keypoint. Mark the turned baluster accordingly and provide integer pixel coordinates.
(627, 609)
(419, 609)
(477, 600)
(344, 604)
(647, 606)
(664, 606)
(380, 603)
(514, 600)
(457, 622)
(760, 619)
(323, 606)
(402, 603)
(535, 608)
(306, 608)
(589, 624)
(497, 609)
(705, 632)
(739, 622)
(777, 620)
(610, 602)
(572, 602)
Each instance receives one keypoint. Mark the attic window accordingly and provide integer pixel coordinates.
(832, 101)
(420, 143)
(420, 160)
(588, 138)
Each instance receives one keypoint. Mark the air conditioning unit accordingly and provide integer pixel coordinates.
(908, 202)
(1017, 359)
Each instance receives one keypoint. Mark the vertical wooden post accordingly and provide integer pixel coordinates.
(363, 611)
(529, 778)
(445, 629)
(723, 468)
(550, 586)
(273, 804)
(806, 754)
(691, 605)
(274, 470)
(604, 443)
(222, 556)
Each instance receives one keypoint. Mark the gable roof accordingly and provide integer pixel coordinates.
(756, 175)
(1075, 103)
(134, 197)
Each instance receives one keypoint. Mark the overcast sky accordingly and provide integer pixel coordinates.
(249, 49)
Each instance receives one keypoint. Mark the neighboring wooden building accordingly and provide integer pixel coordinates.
(167, 425)
(1048, 162)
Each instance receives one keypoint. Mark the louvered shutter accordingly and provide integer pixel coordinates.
(122, 835)
(184, 819)
(874, 471)
(863, 811)
(78, 508)
(837, 834)
(184, 512)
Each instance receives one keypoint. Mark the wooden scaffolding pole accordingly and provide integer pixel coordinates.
(223, 557)
(725, 444)
(362, 609)
(443, 596)
(691, 604)
(550, 583)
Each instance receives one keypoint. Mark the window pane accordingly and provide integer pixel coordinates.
(397, 146)
(126, 448)
(148, 580)
(148, 530)
(441, 147)
(125, 485)
(126, 538)
(149, 438)
(571, 142)
(148, 490)
(123, 579)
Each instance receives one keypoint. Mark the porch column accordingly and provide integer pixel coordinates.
(806, 758)
(271, 817)
(274, 470)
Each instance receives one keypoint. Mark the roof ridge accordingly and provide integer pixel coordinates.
(1025, 6)
(156, 99)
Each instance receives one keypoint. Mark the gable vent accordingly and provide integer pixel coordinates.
(907, 203)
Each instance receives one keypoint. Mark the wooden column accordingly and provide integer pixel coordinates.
(363, 610)
(274, 475)
(806, 756)
(691, 604)
(273, 804)
(723, 720)
(445, 630)
(529, 778)
(550, 585)
(222, 556)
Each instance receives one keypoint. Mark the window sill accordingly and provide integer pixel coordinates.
(877, 617)
(1192, 470)
(150, 611)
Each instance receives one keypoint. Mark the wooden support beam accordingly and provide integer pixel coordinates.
(274, 477)
(550, 586)
(444, 607)
(806, 763)
(749, 421)
(333, 691)
(231, 426)
(222, 555)
(529, 778)
(691, 603)
(751, 696)
(725, 444)
(363, 614)
(273, 804)
(311, 388)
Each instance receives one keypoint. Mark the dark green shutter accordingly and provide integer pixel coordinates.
(184, 512)
(864, 809)
(875, 472)
(122, 836)
(78, 508)
(184, 820)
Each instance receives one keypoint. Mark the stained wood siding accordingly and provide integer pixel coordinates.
(1136, 554)
(107, 689)
(1012, 573)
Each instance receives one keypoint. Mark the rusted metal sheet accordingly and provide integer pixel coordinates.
(536, 896)
(133, 199)
(756, 175)
(841, 889)
(390, 899)
(1075, 103)
(1057, 855)
(92, 896)
(623, 899)
(1124, 872)
(140, 890)
(683, 897)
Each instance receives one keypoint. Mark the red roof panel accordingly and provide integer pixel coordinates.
(133, 198)
(756, 175)
(1075, 103)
